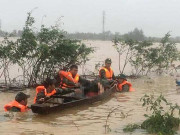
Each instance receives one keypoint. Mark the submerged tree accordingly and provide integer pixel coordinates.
(138, 61)
(162, 118)
(124, 48)
(6, 59)
(144, 56)
(41, 54)
(160, 57)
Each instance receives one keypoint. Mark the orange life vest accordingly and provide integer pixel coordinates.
(69, 76)
(14, 103)
(120, 85)
(42, 88)
(50, 94)
(109, 73)
(66, 75)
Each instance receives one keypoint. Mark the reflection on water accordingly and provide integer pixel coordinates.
(90, 120)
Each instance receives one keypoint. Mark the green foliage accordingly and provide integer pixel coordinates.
(124, 47)
(160, 58)
(163, 120)
(97, 67)
(41, 54)
(131, 127)
(140, 50)
(144, 56)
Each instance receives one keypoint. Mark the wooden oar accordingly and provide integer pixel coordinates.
(54, 102)
(65, 92)
(59, 96)
(114, 83)
(101, 87)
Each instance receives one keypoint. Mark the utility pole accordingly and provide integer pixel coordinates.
(0, 24)
(103, 22)
(103, 25)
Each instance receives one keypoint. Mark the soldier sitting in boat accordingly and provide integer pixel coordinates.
(106, 74)
(123, 84)
(71, 81)
(46, 90)
(19, 104)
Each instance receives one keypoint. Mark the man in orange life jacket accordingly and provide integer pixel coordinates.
(123, 84)
(106, 73)
(19, 104)
(71, 79)
(45, 91)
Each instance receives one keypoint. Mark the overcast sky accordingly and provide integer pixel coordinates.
(155, 17)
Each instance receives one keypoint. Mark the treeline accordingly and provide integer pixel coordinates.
(136, 34)
(3, 33)
(14, 33)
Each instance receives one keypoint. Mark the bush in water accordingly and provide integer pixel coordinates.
(131, 127)
(40, 54)
(144, 56)
(162, 121)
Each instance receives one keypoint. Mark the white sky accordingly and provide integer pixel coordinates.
(155, 17)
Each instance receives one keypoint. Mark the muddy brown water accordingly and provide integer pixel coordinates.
(88, 120)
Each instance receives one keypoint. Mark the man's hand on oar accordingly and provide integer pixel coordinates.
(114, 82)
(42, 99)
(63, 92)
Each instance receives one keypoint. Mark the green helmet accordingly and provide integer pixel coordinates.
(108, 60)
(121, 76)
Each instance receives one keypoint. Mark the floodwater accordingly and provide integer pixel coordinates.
(90, 120)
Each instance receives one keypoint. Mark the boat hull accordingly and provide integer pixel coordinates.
(49, 108)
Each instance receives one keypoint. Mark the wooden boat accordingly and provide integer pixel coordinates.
(52, 105)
